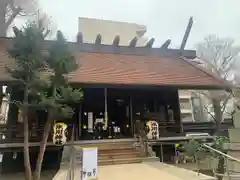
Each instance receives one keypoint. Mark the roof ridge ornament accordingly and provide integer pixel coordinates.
(133, 42)
(166, 44)
(116, 40)
(150, 43)
(98, 39)
(80, 38)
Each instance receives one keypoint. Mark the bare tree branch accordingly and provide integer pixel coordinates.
(45, 23)
(14, 14)
(226, 100)
(219, 56)
(12, 9)
(210, 113)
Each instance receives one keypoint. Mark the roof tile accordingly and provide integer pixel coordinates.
(138, 70)
(120, 69)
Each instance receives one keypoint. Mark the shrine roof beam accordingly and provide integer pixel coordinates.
(126, 50)
(186, 34)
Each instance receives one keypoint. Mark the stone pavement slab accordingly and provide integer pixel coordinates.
(139, 171)
(180, 172)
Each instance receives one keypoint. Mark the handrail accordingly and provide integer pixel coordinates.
(227, 173)
(143, 140)
(221, 153)
(146, 143)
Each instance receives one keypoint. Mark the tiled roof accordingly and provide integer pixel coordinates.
(139, 70)
(120, 69)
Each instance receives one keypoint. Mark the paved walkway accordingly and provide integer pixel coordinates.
(140, 171)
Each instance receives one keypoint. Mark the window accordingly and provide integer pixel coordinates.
(185, 104)
(186, 110)
(197, 108)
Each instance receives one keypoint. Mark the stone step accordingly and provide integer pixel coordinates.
(129, 160)
(110, 161)
(106, 144)
(120, 161)
(120, 153)
(117, 156)
(109, 147)
(114, 153)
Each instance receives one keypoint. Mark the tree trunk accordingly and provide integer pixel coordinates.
(47, 129)
(3, 28)
(27, 164)
(217, 114)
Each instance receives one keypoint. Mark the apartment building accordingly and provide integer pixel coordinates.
(90, 28)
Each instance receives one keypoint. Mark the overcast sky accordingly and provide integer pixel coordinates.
(164, 18)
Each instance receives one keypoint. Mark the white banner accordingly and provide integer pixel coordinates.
(89, 163)
(1, 157)
(90, 122)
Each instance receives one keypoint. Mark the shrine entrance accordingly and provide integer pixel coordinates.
(112, 113)
(119, 108)
(105, 114)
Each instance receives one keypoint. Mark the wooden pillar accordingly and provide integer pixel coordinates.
(131, 115)
(79, 122)
(105, 109)
(1, 93)
(179, 112)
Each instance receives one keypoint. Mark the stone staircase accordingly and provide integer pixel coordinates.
(116, 157)
(116, 153)
(110, 153)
